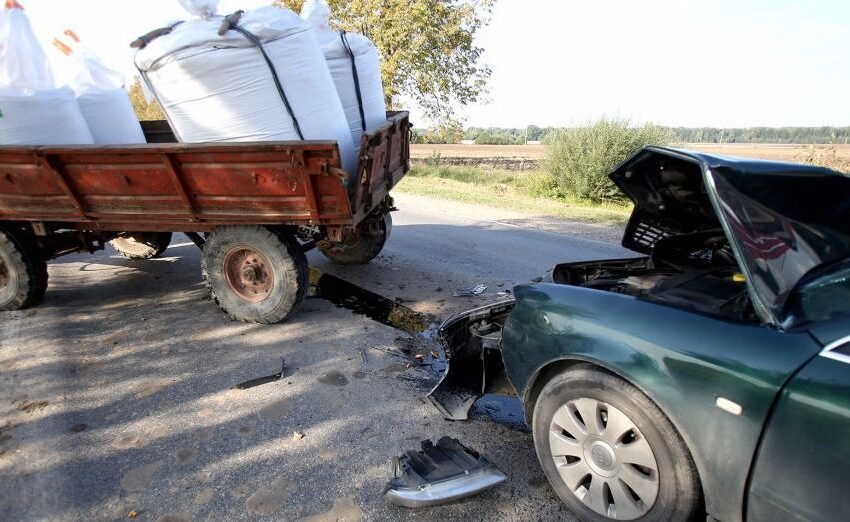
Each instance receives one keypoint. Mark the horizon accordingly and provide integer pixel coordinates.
(559, 64)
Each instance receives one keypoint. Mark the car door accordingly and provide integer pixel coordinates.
(802, 470)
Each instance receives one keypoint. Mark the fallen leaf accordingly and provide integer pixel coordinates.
(132, 514)
(297, 435)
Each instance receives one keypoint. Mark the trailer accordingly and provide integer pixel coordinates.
(253, 208)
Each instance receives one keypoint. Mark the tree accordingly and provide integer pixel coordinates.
(428, 48)
(144, 110)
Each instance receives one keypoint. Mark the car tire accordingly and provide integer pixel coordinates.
(599, 478)
(23, 271)
(142, 245)
(363, 246)
(255, 274)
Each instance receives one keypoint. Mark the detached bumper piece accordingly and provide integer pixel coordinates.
(440, 473)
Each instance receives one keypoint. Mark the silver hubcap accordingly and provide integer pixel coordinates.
(604, 459)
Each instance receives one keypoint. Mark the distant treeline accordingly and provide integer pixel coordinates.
(499, 136)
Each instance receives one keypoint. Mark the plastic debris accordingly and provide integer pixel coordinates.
(471, 292)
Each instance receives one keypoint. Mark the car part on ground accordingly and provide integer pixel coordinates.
(142, 245)
(440, 473)
(255, 274)
(266, 379)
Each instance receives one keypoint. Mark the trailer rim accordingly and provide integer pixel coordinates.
(249, 274)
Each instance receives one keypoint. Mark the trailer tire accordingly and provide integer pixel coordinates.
(142, 245)
(360, 248)
(255, 274)
(23, 271)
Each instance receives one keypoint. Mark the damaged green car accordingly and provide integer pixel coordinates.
(708, 377)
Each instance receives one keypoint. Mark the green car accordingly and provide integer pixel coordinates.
(709, 377)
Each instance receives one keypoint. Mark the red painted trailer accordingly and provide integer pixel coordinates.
(261, 206)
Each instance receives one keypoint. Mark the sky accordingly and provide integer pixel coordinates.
(718, 63)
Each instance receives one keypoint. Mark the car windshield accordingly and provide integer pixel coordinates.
(784, 224)
(823, 295)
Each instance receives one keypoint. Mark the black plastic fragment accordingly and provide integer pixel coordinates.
(259, 381)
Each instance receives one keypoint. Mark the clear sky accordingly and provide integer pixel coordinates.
(722, 63)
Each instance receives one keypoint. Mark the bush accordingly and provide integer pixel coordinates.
(580, 159)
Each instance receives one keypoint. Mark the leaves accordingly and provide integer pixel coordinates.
(428, 48)
(144, 110)
(580, 159)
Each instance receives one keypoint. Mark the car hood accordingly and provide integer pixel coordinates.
(781, 219)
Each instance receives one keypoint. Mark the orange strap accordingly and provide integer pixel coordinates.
(57, 43)
(71, 34)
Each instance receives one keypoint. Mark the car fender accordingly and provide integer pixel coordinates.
(686, 363)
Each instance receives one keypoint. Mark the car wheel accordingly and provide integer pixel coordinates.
(610, 453)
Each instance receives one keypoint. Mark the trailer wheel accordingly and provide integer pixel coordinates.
(142, 245)
(254, 273)
(23, 271)
(361, 246)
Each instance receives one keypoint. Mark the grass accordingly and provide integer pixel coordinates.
(527, 192)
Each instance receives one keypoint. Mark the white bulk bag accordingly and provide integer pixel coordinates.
(50, 117)
(32, 110)
(219, 88)
(368, 111)
(110, 117)
(104, 102)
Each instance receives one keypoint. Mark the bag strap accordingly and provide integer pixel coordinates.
(344, 38)
(143, 41)
(231, 22)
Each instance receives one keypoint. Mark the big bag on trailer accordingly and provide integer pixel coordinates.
(262, 79)
(102, 96)
(32, 110)
(355, 66)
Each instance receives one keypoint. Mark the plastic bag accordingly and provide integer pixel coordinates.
(23, 64)
(32, 110)
(202, 8)
(91, 73)
(104, 102)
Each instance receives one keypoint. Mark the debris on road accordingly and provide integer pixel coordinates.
(471, 291)
(296, 435)
(32, 407)
(440, 473)
(374, 306)
(259, 381)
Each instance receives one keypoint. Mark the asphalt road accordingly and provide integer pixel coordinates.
(116, 399)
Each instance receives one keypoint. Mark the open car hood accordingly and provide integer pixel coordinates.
(781, 219)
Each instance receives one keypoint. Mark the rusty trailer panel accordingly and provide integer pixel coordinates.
(384, 160)
(196, 187)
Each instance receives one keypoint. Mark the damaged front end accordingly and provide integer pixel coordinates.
(472, 341)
